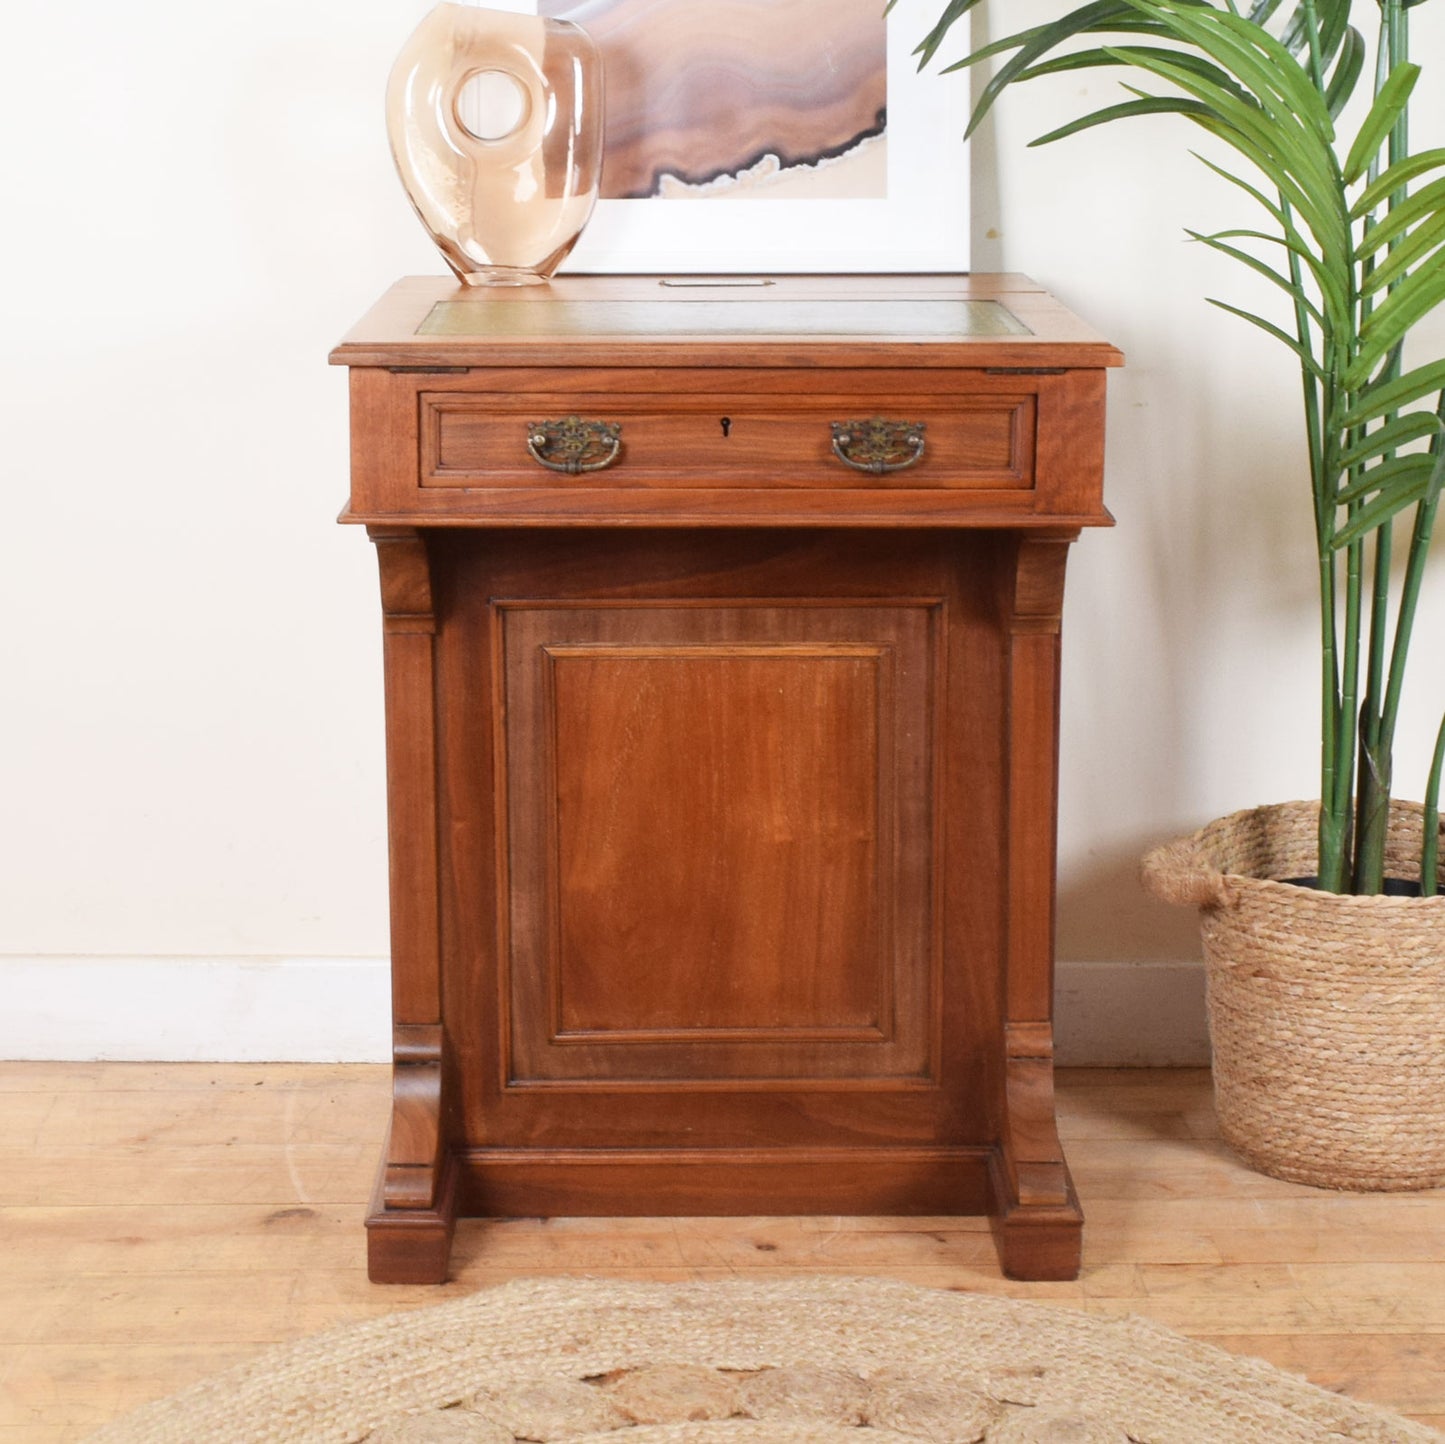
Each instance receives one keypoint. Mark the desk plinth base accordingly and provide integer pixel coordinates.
(1037, 1242)
(411, 1245)
(1034, 1241)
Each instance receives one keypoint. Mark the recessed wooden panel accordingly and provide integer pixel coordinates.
(718, 816)
(718, 823)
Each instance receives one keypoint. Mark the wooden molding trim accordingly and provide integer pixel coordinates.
(406, 583)
(1037, 1223)
(1038, 594)
(414, 1147)
(415, 1206)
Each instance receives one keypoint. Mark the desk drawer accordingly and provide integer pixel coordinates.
(705, 442)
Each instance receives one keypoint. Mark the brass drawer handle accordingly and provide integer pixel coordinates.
(878, 445)
(574, 445)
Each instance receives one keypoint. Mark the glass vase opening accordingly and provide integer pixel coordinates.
(495, 123)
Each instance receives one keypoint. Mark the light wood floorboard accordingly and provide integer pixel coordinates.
(161, 1222)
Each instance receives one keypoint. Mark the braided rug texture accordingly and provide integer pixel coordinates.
(1326, 1012)
(806, 1361)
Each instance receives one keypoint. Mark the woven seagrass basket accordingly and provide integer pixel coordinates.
(1326, 1012)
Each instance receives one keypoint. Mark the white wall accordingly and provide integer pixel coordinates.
(201, 201)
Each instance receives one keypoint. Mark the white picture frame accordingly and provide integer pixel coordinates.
(921, 226)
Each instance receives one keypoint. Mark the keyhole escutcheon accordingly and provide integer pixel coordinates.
(727, 425)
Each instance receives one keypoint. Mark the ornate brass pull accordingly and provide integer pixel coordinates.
(878, 445)
(573, 445)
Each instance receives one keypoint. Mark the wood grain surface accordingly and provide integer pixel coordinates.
(824, 329)
(162, 1222)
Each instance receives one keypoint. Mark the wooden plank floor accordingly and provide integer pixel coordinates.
(160, 1222)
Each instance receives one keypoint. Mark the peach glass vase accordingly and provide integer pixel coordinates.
(495, 122)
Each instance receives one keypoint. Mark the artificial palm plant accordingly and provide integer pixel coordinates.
(1352, 231)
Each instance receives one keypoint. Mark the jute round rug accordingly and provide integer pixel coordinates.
(805, 1361)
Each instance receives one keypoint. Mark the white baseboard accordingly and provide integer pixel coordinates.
(1130, 1015)
(338, 1010)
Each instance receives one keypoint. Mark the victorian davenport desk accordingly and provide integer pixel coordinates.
(721, 646)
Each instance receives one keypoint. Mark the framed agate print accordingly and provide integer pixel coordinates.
(772, 135)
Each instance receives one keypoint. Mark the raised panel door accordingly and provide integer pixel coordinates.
(712, 815)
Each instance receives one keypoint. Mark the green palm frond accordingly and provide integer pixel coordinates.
(1353, 235)
(1395, 433)
(1409, 484)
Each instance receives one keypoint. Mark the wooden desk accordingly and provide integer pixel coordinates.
(722, 746)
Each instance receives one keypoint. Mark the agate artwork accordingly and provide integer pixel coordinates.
(495, 123)
(740, 98)
(804, 125)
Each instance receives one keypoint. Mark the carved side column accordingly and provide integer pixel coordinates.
(413, 1209)
(1038, 1224)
